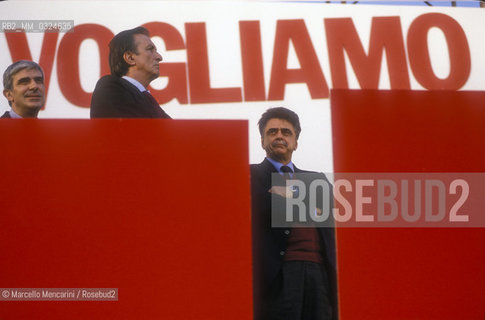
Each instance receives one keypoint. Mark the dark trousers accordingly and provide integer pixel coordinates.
(300, 292)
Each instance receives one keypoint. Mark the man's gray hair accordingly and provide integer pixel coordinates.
(17, 67)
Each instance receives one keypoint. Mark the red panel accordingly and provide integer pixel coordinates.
(159, 209)
(410, 273)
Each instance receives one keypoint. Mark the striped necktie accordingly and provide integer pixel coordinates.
(287, 172)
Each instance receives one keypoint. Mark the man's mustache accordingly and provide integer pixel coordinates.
(279, 142)
(33, 93)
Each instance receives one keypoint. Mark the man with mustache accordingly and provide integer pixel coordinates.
(23, 86)
(134, 63)
(294, 268)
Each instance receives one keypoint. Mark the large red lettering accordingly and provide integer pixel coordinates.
(458, 49)
(310, 71)
(252, 60)
(19, 50)
(386, 34)
(198, 65)
(68, 61)
(175, 72)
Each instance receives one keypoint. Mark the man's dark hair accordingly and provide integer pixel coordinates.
(280, 113)
(121, 43)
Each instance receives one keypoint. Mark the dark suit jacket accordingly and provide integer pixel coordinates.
(6, 115)
(268, 242)
(115, 97)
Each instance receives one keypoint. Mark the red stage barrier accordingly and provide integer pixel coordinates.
(158, 209)
(410, 273)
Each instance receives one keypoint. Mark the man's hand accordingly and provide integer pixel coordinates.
(285, 192)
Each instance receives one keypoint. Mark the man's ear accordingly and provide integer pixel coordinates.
(8, 94)
(129, 58)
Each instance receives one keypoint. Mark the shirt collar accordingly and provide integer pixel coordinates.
(278, 165)
(136, 83)
(14, 115)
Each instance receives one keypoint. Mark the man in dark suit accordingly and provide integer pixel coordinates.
(294, 268)
(23, 86)
(134, 63)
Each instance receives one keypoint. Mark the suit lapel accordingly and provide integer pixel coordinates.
(134, 90)
(6, 115)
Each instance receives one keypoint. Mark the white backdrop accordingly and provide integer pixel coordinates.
(222, 29)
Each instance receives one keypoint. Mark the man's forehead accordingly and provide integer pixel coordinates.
(27, 73)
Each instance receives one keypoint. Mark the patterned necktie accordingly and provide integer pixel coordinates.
(287, 172)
